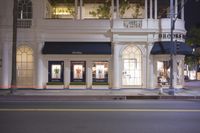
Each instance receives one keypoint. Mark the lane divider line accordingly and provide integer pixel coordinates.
(100, 110)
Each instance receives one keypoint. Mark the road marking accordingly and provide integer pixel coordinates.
(100, 110)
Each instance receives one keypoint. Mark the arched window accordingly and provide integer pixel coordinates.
(25, 66)
(24, 9)
(131, 57)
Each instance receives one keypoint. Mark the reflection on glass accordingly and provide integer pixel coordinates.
(179, 72)
(78, 71)
(100, 71)
(163, 71)
(131, 74)
(131, 8)
(96, 9)
(163, 8)
(56, 71)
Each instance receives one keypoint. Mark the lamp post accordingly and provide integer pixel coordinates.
(13, 78)
(171, 88)
(172, 49)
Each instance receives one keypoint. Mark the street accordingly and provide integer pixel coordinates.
(131, 116)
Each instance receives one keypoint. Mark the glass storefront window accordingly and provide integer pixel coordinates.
(78, 72)
(163, 72)
(131, 8)
(100, 71)
(56, 71)
(25, 66)
(179, 72)
(131, 74)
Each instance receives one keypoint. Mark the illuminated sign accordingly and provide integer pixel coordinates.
(61, 11)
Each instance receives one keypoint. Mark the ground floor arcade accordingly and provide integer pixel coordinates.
(119, 65)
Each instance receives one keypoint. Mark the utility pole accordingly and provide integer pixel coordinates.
(172, 14)
(13, 78)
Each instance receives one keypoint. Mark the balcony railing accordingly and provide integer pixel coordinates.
(24, 23)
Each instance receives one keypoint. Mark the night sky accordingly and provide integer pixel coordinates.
(192, 14)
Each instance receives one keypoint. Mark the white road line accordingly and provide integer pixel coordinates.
(100, 110)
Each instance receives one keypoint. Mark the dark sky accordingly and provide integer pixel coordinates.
(192, 13)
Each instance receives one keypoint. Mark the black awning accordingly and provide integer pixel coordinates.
(164, 48)
(77, 48)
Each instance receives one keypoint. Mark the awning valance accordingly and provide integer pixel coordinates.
(77, 48)
(165, 48)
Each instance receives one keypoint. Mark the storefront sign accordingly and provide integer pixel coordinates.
(61, 11)
(177, 36)
(133, 23)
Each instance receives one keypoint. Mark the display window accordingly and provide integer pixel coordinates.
(100, 71)
(78, 71)
(56, 71)
(163, 72)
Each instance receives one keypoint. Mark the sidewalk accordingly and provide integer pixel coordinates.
(190, 91)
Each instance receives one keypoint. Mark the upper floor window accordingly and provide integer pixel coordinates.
(131, 8)
(96, 9)
(163, 8)
(24, 9)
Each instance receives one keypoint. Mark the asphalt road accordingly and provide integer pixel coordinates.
(139, 116)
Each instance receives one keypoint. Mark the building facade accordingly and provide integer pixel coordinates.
(86, 44)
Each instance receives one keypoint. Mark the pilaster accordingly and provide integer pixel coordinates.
(6, 66)
(116, 66)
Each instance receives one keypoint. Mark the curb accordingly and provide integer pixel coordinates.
(92, 98)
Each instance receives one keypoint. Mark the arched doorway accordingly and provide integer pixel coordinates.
(25, 67)
(131, 60)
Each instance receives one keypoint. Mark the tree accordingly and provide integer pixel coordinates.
(194, 41)
(103, 11)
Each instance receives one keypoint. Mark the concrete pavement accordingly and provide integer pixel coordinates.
(191, 90)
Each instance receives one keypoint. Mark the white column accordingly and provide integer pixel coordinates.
(182, 11)
(150, 68)
(112, 8)
(76, 9)
(176, 8)
(40, 68)
(118, 14)
(67, 73)
(146, 9)
(156, 8)
(81, 11)
(6, 66)
(89, 74)
(116, 67)
(151, 11)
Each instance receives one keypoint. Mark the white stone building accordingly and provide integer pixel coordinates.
(102, 44)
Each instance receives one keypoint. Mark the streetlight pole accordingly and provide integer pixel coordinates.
(172, 49)
(13, 78)
(171, 89)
